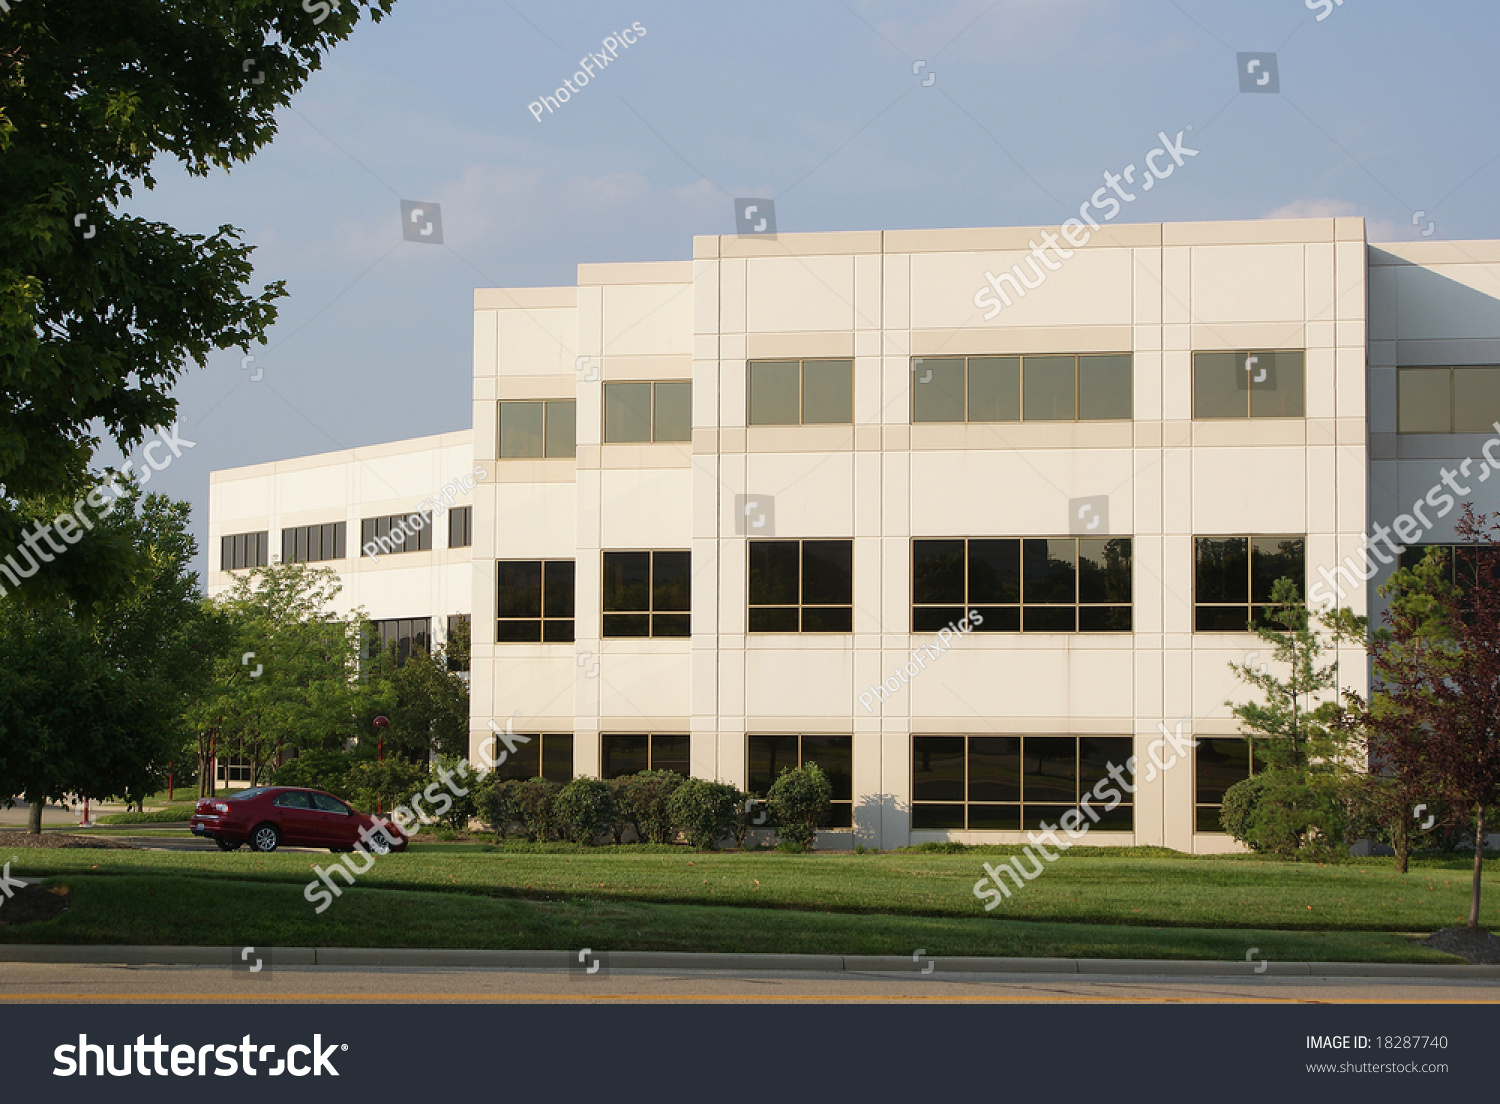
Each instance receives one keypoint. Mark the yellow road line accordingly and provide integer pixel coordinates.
(753, 998)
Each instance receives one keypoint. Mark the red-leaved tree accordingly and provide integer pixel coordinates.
(1438, 667)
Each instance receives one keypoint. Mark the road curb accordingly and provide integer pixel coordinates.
(920, 964)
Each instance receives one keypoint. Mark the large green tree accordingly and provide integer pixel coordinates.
(92, 697)
(101, 311)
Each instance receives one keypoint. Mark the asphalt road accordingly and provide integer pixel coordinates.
(23, 983)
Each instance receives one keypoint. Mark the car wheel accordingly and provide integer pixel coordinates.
(226, 845)
(265, 838)
(378, 844)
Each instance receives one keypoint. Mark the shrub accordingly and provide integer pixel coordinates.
(585, 808)
(1280, 813)
(706, 812)
(799, 802)
(534, 804)
(172, 814)
(751, 814)
(384, 784)
(463, 808)
(496, 800)
(643, 804)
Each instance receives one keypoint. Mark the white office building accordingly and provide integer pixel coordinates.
(967, 517)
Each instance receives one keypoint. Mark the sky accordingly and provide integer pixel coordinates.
(849, 114)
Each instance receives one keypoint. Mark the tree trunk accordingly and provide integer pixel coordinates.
(34, 816)
(1478, 865)
(1401, 841)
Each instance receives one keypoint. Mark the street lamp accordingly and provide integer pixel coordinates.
(381, 724)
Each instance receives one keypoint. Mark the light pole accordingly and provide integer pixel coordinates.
(381, 724)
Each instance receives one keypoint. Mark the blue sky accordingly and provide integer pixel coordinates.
(1384, 110)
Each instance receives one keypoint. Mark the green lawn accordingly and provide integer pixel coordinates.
(157, 910)
(1178, 892)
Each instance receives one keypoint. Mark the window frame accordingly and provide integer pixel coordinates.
(651, 752)
(1407, 372)
(801, 363)
(842, 808)
(247, 551)
(651, 414)
(461, 518)
(1021, 604)
(800, 605)
(1199, 805)
(1249, 415)
(1020, 397)
(539, 740)
(651, 613)
(547, 414)
(339, 535)
(420, 540)
(1251, 604)
(1023, 824)
(541, 619)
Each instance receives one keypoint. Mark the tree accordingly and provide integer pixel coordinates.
(92, 698)
(1440, 671)
(425, 701)
(100, 311)
(290, 681)
(1308, 759)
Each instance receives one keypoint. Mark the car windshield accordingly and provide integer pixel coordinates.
(245, 795)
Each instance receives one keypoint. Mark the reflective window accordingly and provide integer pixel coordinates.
(644, 412)
(647, 593)
(1015, 783)
(535, 601)
(537, 429)
(1233, 578)
(313, 543)
(630, 753)
(461, 527)
(400, 636)
(384, 536)
(1034, 388)
(801, 392)
(243, 550)
(1015, 584)
(546, 755)
(1256, 383)
(766, 757)
(1218, 763)
(801, 586)
(1448, 400)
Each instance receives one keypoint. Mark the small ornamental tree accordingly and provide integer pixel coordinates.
(1299, 802)
(705, 812)
(1440, 669)
(799, 801)
(585, 809)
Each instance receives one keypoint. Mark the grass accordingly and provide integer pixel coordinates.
(1182, 892)
(175, 909)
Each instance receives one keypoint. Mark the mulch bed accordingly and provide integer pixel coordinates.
(1477, 947)
(31, 903)
(10, 841)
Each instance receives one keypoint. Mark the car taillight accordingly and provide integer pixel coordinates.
(220, 807)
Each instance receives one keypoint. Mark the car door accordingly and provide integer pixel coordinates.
(340, 825)
(301, 824)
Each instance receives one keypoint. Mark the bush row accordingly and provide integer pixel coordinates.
(658, 807)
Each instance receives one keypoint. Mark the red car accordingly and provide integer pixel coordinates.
(268, 816)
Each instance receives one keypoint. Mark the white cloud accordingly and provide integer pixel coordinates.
(1376, 229)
